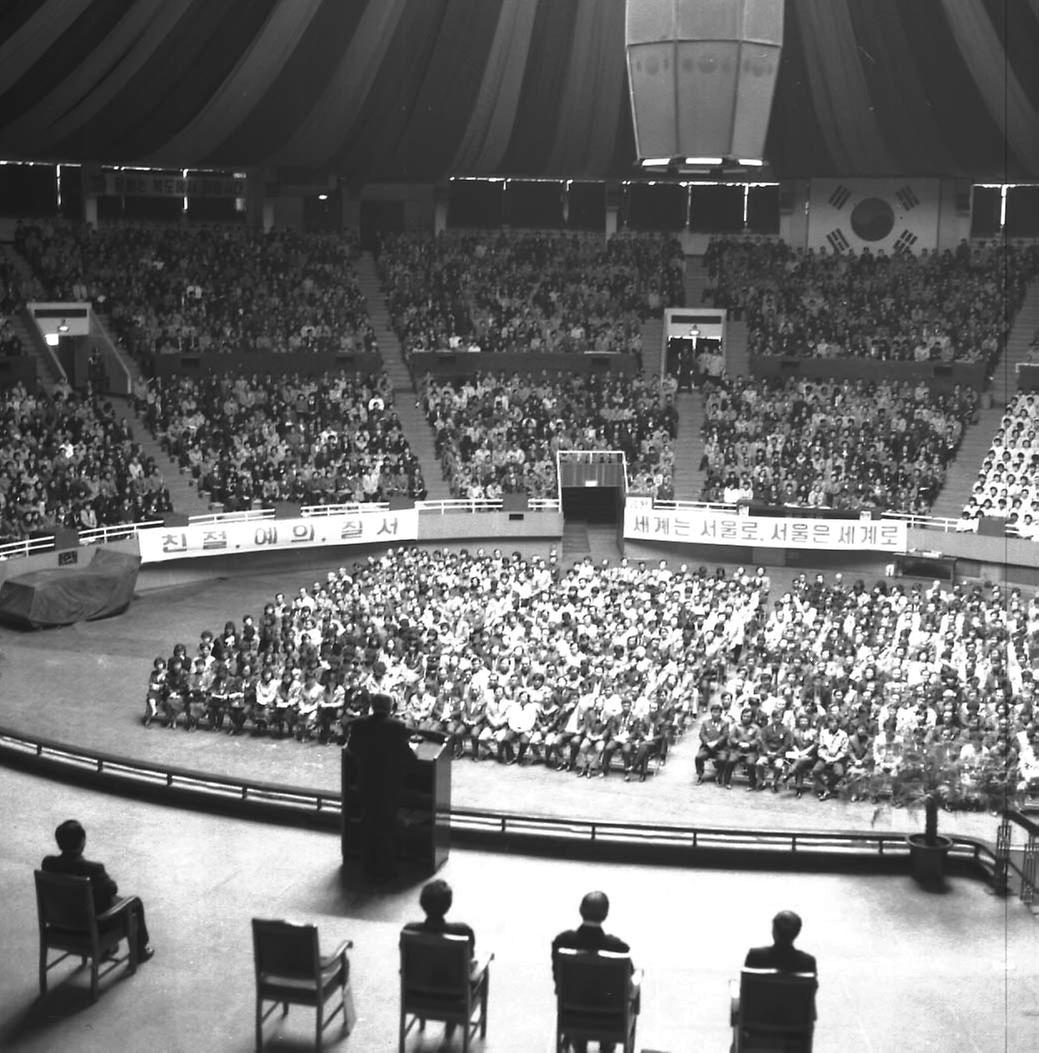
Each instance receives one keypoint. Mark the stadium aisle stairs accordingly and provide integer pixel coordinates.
(1026, 324)
(689, 476)
(652, 348)
(47, 374)
(737, 356)
(416, 427)
(696, 280)
(389, 345)
(184, 496)
(963, 472)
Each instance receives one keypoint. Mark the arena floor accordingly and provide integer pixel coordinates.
(900, 969)
(85, 684)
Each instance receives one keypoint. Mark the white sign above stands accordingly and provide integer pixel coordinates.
(260, 535)
(701, 526)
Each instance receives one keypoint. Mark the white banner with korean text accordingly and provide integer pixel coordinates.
(701, 526)
(258, 535)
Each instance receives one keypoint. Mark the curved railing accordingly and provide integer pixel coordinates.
(487, 827)
(125, 531)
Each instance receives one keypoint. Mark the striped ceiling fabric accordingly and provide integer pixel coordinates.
(417, 90)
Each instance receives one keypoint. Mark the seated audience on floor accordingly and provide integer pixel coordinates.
(594, 668)
(211, 289)
(330, 439)
(499, 433)
(830, 443)
(67, 461)
(506, 291)
(950, 306)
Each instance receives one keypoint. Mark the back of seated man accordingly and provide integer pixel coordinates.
(435, 899)
(782, 955)
(72, 839)
(589, 936)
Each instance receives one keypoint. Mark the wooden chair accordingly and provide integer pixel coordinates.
(773, 1012)
(69, 923)
(290, 969)
(597, 998)
(439, 982)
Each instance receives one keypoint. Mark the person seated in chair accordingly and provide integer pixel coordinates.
(72, 839)
(435, 899)
(589, 936)
(782, 954)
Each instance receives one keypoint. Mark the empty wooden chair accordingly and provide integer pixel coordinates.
(290, 969)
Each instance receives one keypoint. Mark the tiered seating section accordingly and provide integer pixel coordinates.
(69, 461)
(540, 292)
(498, 433)
(207, 289)
(934, 307)
(254, 441)
(832, 687)
(1008, 480)
(828, 443)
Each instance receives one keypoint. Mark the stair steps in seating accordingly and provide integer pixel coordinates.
(689, 477)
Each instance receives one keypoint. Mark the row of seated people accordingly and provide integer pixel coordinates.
(840, 751)
(951, 306)
(67, 460)
(330, 439)
(518, 292)
(207, 289)
(499, 433)
(831, 443)
(563, 726)
(1006, 484)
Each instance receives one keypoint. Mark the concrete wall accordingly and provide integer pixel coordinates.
(953, 223)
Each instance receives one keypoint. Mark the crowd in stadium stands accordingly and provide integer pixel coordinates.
(15, 289)
(1007, 487)
(933, 307)
(527, 661)
(520, 292)
(68, 461)
(498, 433)
(207, 289)
(831, 443)
(330, 439)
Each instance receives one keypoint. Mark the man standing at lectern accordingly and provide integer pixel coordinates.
(380, 749)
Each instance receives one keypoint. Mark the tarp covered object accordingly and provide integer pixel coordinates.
(65, 595)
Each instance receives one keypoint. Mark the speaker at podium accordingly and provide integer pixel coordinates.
(423, 829)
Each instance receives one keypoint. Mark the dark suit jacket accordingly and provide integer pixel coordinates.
(379, 745)
(587, 938)
(102, 886)
(785, 959)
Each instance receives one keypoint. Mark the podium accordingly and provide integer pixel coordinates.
(423, 819)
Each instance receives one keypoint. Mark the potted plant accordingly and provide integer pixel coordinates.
(936, 774)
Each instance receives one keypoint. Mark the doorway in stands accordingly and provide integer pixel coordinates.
(592, 485)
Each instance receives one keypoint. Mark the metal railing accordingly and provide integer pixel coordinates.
(26, 547)
(291, 804)
(243, 516)
(119, 532)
